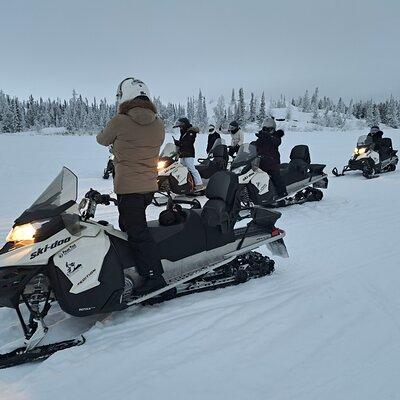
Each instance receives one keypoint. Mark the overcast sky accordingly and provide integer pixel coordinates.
(346, 47)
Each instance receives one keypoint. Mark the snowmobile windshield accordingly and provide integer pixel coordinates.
(364, 140)
(59, 195)
(246, 153)
(169, 150)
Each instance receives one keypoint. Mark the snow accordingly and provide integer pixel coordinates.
(325, 325)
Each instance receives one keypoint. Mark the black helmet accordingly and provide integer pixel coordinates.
(182, 123)
(233, 126)
(374, 129)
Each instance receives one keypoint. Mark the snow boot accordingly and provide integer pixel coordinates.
(151, 284)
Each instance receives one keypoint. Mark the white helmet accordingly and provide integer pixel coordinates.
(131, 88)
(269, 123)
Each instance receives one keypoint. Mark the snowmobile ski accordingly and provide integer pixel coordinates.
(22, 355)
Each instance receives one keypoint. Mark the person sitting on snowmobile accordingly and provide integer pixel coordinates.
(136, 134)
(376, 134)
(186, 149)
(267, 144)
(237, 138)
(213, 135)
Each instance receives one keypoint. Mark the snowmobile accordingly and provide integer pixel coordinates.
(303, 180)
(371, 158)
(109, 169)
(57, 252)
(175, 177)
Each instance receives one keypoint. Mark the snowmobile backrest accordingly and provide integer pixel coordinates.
(223, 185)
(221, 208)
(301, 152)
(386, 142)
(220, 151)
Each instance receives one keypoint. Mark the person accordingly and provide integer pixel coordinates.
(376, 134)
(213, 135)
(237, 137)
(136, 133)
(268, 141)
(186, 149)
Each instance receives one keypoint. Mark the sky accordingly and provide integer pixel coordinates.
(347, 48)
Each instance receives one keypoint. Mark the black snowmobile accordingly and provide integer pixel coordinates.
(109, 169)
(173, 177)
(371, 157)
(57, 252)
(303, 180)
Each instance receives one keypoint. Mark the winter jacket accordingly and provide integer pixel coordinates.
(136, 134)
(268, 149)
(237, 138)
(212, 137)
(186, 142)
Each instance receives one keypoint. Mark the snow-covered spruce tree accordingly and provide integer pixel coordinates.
(252, 108)
(230, 114)
(315, 99)
(220, 112)
(392, 117)
(262, 112)
(233, 98)
(241, 108)
(306, 102)
(190, 109)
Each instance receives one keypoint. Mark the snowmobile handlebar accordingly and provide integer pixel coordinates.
(99, 198)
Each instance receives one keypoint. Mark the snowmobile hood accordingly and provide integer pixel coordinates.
(142, 116)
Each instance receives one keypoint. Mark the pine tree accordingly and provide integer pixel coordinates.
(220, 111)
(392, 118)
(241, 108)
(261, 114)
(306, 104)
(252, 108)
(233, 99)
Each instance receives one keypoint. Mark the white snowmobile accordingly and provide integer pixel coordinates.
(57, 252)
(109, 169)
(371, 157)
(303, 180)
(176, 178)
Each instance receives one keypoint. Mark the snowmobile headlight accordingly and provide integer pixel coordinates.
(362, 150)
(22, 233)
(239, 170)
(161, 165)
(355, 152)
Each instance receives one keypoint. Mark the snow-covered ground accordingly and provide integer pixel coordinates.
(325, 325)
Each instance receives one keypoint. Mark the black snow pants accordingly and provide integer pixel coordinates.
(277, 181)
(132, 220)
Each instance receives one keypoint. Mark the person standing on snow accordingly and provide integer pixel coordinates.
(237, 138)
(268, 141)
(136, 134)
(213, 135)
(186, 149)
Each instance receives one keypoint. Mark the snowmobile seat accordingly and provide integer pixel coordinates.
(298, 166)
(180, 240)
(316, 169)
(385, 148)
(222, 208)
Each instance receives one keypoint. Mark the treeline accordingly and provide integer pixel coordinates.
(78, 115)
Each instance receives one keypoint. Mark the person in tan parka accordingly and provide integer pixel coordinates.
(136, 134)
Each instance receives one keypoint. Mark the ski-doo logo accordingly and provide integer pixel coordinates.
(86, 277)
(72, 267)
(42, 250)
(67, 250)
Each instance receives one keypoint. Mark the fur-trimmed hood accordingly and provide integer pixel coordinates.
(143, 112)
(194, 129)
